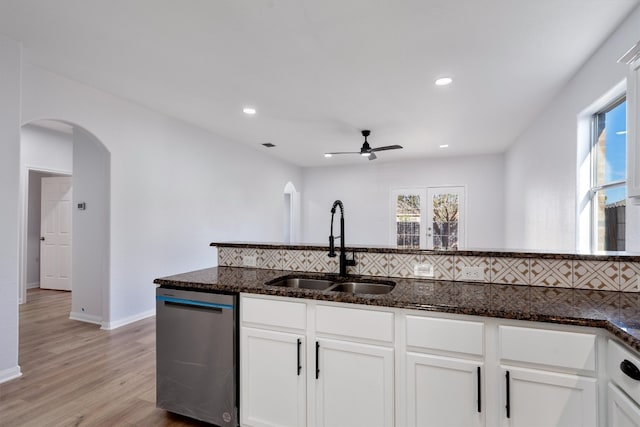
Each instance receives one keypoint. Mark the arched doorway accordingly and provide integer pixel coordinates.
(291, 214)
(45, 149)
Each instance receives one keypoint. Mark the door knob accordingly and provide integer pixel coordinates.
(42, 239)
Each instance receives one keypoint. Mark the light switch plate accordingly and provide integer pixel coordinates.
(249, 261)
(423, 270)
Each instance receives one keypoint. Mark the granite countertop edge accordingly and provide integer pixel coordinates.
(615, 312)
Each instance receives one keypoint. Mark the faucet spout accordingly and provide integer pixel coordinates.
(344, 262)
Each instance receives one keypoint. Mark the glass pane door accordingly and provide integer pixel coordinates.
(445, 228)
(408, 218)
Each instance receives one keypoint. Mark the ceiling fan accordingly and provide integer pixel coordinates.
(366, 150)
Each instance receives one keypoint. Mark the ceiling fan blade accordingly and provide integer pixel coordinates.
(387, 147)
(372, 156)
(345, 152)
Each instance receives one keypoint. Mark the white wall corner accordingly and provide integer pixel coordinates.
(10, 374)
(107, 326)
(87, 318)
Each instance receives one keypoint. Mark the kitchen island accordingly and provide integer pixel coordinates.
(511, 352)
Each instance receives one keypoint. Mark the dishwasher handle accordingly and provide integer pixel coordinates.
(191, 303)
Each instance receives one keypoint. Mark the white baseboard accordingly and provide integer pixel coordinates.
(10, 374)
(84, 317)
(118, 323)
(33, 285)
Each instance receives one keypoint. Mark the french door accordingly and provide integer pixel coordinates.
(428, 218)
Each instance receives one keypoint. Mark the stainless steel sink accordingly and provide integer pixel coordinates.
(301, 282)
(362, 287)
(333, 285)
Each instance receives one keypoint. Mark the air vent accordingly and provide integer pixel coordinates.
(268, 145)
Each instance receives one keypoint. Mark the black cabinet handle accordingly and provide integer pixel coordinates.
(630, 369)
(299, 365)
(317, 359)
(508, 397)
(479, 391)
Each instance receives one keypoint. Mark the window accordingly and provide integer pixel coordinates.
(608, 190)
(428, 218)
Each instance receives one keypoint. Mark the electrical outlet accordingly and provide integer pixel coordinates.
(249, 261)
(472, 273)
(423, 270)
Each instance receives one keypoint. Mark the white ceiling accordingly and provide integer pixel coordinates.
(319, 71)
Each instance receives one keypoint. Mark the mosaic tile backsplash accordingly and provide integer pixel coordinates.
(611, 275)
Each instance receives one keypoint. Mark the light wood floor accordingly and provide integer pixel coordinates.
(75, 374)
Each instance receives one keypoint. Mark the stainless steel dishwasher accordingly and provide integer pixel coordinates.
(196, 355)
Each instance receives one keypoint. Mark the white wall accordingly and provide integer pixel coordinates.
(9, 179)
(90, 250)
(174, 187)
(540, 167)
(46, 149)
(365, 192)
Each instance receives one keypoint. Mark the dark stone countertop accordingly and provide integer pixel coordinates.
(617, 312)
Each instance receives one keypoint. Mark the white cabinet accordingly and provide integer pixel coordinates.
(623, 391)
(354, 384)
(273, 386)
(308, 363)
(273, 364)
(541, 398)
(444, 370)
(623, 412)
(443, 391)
(548, 377)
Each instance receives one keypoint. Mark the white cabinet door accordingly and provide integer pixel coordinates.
(272, 378)
(443, 391)
(539, 398)
(633, 130)
(354, 385)
(623, 412)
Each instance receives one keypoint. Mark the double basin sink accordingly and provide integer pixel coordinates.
(346, 285)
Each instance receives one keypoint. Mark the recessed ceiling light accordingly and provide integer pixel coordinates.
(443, 81)
(249, 111)
(327, 155)
(444, 146)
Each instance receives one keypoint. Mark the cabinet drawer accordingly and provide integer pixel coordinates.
(559, 349)
(355, 323)
(445, 334)
(268, 312)
(616, 354)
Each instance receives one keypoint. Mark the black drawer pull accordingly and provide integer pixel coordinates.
(630, 369)
(299, 364)
(479, 391)
(317, 359)
(508, 405)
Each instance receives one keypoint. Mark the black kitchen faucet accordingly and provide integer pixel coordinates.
(344, 262)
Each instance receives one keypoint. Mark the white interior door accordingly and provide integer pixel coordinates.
(55, 233)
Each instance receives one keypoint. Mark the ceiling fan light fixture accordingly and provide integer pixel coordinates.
(327, 155)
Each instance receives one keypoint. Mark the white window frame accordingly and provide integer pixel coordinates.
(585, 210)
